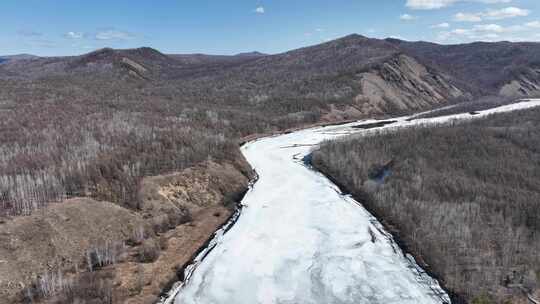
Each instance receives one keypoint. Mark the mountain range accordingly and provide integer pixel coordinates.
(367, 75)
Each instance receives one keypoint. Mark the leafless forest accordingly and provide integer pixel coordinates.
(92, 125)
(63, 139)
(463, 198)
(56, 149)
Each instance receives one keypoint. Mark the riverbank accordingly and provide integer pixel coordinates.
(290, 237)
(291, 146)
(463, 216)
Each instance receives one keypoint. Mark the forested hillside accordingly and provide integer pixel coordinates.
(92, 125)
(464, 198)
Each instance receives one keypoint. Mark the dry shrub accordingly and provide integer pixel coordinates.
(89, 287)
(149, 251)
(108, 253)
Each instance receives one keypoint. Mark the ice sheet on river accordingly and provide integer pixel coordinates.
(300, 241)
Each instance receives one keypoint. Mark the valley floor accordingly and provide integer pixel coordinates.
(300, 240)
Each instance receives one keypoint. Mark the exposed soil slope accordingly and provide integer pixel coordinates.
(511, 69)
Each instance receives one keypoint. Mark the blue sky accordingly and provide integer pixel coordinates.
(67, 27)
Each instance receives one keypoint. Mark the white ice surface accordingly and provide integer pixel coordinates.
(300, 241)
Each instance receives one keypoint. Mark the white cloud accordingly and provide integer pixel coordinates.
(74, 35)
(492, 14)
(460, 31)
(316, 32)
(437, 4)
(441, 25)
(494, 28)
(397, 37)
(29, 33)
(260, 10)
(113, 34)
(507, 12)
(429, 4)
(407, 17)
(40, 42)
(491, 32)
(533, 24)
(495, 1)
(467, 17)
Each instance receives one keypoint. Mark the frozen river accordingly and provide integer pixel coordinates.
(299, 240)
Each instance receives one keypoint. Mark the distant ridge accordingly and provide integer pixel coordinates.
(251, 54)
(354, 67)
(495, 68)
(17, 57)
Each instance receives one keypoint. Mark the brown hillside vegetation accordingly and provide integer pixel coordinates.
(463, 198)
(128, 254)
(92, 125)
(506, 68)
